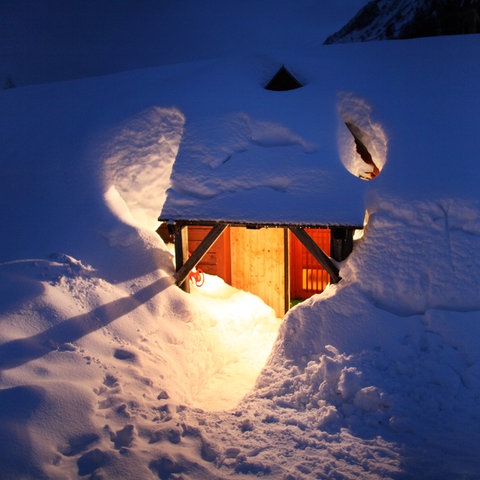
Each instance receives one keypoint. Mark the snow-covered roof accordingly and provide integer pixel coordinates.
(252, 155)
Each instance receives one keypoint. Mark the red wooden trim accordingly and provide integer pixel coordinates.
(317, 253)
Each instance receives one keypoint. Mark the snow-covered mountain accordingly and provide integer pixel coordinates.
(400, 19)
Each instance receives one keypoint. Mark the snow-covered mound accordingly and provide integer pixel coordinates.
(253, 155)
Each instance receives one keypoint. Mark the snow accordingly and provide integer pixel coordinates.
(236, 165)
(108, 370)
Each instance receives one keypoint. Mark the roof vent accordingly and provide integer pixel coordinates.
(282, 81)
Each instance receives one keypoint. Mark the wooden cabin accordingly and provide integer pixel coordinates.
(263, 193)
(255, 204)
(280, 264)
(269, 184)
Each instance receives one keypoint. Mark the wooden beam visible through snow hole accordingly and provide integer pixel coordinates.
(196, 256)
(362, 150)
(320, 256)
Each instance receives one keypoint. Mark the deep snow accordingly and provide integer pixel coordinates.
(110, 371)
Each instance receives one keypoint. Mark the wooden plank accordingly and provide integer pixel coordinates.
(317, 252)
(181, 250)
(198, 254)
(362, 150)
(217, 260)
(341, 243)
(286, 272)
(225, 260)
(258, 264)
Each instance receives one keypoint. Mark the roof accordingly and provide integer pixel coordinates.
(260, 156)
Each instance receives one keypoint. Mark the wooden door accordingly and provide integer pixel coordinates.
(307, 276)
(259, 264)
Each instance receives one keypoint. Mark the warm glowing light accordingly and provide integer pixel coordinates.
(240, 334)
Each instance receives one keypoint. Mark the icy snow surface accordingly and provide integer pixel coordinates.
(108, 370)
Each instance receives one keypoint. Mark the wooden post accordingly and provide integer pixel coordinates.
(322, 258)
(286, 267)
(183, 270)
(341, 242)
(181, 250)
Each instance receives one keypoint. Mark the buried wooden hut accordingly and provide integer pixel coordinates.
(257, 206)
(262, 168)
(279, 263)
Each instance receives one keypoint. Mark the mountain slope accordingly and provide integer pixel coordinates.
(400, 19)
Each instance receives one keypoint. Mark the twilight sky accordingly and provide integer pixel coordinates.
(43, 41)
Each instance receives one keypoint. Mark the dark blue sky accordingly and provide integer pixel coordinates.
(42, 41)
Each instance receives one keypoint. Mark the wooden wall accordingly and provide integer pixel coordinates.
(268, 262)
(259, 264)
(217, 259)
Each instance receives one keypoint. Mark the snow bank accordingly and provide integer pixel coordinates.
(376, 355)
(139, 164)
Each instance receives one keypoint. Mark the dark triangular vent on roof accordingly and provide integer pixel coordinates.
(283, 80)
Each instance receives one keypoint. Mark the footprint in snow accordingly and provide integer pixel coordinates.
(121, 354)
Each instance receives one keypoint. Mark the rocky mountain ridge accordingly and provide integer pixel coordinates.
(401, 19)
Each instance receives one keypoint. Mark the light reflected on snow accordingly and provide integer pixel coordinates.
(138, 163)
(241, 331)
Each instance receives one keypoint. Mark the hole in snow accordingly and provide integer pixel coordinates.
(283, 81)
(362, 142)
